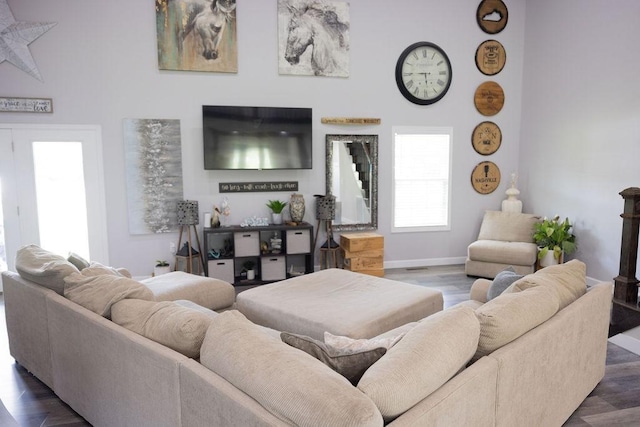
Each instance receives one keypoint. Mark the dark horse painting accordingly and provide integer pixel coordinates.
(198, 35)
(314, 37)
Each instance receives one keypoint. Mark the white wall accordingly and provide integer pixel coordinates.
(99, 65)
(580, 143)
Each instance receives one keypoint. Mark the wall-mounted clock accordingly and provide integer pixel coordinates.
(423, 73)
(486, 138)
(492, 16)
(485, 177)
(489, 98)
(490, 57)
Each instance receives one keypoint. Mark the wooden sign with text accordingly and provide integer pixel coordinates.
(256, 187)
(350, 121)
(26, 105)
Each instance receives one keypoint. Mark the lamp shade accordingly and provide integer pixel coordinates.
(326, 207)
(188, 212)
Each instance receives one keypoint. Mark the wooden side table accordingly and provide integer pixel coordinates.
(363, 253)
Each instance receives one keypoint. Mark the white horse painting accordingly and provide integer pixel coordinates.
(313, 37)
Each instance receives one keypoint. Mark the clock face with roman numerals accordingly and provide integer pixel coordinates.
(423, 73)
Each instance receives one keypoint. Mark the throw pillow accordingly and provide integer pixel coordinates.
(77, 260)
(349, 364)
(177, 327)
(430, 354)
(504, 319)
(43, 267)
(99, 293)
(502, 281)
(348, 344)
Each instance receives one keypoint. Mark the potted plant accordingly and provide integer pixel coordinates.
(554, 239)
(248, 268)
(276, 207)
(161, 267)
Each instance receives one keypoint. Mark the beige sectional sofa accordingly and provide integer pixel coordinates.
(498, 363)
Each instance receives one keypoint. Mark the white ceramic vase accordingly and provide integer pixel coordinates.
(251, 274)
(277, 218)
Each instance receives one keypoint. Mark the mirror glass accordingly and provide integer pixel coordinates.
(352, 177)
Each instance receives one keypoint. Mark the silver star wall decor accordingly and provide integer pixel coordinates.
(15, 37)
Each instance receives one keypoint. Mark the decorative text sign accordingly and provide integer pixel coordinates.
(26, 105)
(350, 121)
(255, 187)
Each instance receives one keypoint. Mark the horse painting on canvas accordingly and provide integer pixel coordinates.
(198, 35)
(314, 38)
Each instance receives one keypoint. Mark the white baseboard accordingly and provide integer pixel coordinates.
(429, 262)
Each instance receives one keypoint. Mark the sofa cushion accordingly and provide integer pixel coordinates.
(426, 358)
(173, 325)
(508, 226)
(197, 307)
(502, 281)
(205, 291)
(97, 269)
(290, 384)
(515, 253)
(77, 260)
(568, 281)
(43, 267)
(99, 293)
(505, 318)
(348, 363)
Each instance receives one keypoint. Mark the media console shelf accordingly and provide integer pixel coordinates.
(277, 252)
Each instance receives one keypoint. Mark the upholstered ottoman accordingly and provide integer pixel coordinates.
(208, 292)
(338, 301)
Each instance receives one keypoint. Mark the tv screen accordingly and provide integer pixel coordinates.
(256, 137)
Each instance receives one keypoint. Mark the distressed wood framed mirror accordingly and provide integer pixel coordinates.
(352, 177)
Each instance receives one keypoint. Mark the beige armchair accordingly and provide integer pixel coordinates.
(505, 239)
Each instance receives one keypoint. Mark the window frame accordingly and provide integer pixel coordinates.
(428, 131)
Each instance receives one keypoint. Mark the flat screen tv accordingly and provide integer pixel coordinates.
(256, 137)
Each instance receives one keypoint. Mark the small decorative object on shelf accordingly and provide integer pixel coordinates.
(276, 243)
(512, 204)
(214, 221)
(296, 207)
(254, 222)
(247, 267)
(276, 207)
(225, 210)
(554, 239)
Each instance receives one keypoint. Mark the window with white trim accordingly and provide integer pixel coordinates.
(421, 178)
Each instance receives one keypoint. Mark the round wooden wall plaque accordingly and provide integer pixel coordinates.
(485, 177)
(492, 16)
(489, 98)
(490, 57)
(486, 138)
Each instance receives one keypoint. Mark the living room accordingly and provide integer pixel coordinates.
(569, 137)
(569, 133)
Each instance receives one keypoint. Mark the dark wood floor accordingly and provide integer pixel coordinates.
(614, 402)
